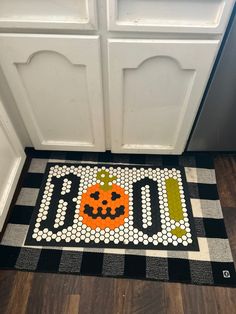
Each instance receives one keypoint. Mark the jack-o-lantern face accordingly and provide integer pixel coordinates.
(104, 205)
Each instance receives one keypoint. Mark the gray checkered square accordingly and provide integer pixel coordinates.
(28, 258)
(70, 262)
(201, 272)
(199, 227)
(187, 161)
(157, 268)
(113, 265)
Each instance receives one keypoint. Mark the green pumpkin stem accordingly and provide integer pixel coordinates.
(105, 179)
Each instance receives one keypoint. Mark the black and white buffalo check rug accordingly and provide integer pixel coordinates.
(132, 216)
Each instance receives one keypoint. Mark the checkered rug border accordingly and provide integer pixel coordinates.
(212, 265)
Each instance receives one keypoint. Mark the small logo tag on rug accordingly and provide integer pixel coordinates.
(226, 274)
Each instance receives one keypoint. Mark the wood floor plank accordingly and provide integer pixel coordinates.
(7, 278)
(49, 292)
(72, 304)
(122, 296)
(226, 300)
(140, 297)
(96, 295)
(230, 223)
(199, 299)
(173, 298)
(20, 292)
(225, 167)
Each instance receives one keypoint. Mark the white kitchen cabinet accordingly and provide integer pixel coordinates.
(155, 88)
(122, 75)
(56, 82)
(11, 162)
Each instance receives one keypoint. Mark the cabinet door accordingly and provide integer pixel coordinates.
(172, 16)
(155, 88)
(11, 162)
(48, 14)
(56, 82)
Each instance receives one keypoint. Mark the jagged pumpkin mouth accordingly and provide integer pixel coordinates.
(104, 212)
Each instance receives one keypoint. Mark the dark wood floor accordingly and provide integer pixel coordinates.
(22, 292)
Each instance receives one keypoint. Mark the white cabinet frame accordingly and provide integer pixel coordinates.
(7, 194)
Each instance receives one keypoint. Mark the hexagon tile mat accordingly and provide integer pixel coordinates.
(146, 217)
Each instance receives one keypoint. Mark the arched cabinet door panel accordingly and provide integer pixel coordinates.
(56, 82)
(155, 89)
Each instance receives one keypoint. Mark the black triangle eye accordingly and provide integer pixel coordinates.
(114, 196)
(95, 195)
